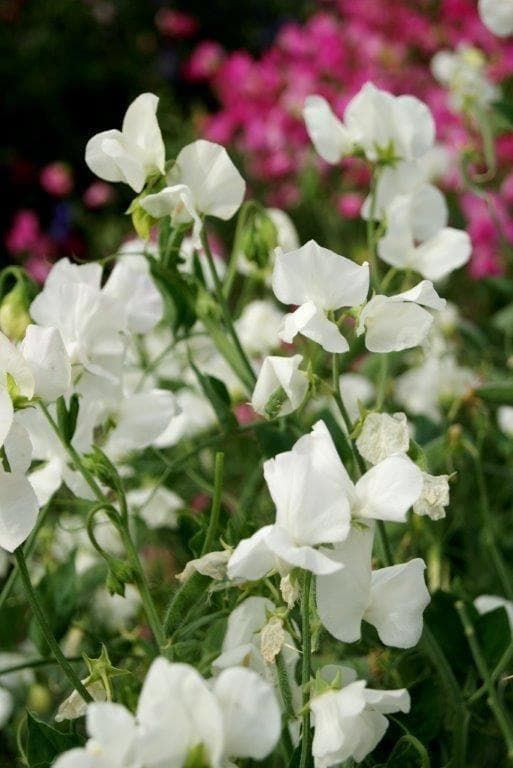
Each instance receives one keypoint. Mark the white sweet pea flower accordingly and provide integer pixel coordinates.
(497, 16)
(195, 415)
(391, 599)
(487, 603)
(74, 705)
(242, 643)
(213, 565)
(307, 485)
(131, 283)
(382, 435)
(382, 125)
(258, 327)
(318, 281)
(434, 496)
(203, 181)
(394, 323)
(90, 322)
(351, 721)
(112, 740)
(464, 72)
(411, 179)
(417, 238)
(115, 612)
(45, 353)
(281, 387)
(134, 153)
(139, 418)
(18, 509)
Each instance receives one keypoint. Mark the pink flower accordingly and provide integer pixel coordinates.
(245, 414)
(350, 205)
(204, 61)
(24, 233)
(176, 24)
(98, 194)
(57, 179)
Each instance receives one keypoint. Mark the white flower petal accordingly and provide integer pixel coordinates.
(18, 509)
(311, 322)
(44, 351)
(388, 490)
(329, 135)
(443, 253)
(252, 559)
(398, 599)
(280, 373)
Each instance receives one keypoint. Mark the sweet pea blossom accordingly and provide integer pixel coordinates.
(394, 323)
(202, 181)
(307, 485)
(350, 721)
(497, 16)
(180, 716)
(392, 599)
(281, 387)
(383, 126)
(463, 72)
(134, 153)
(319, 281)
(505, 419)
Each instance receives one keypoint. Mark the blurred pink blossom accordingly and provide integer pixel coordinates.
(176, 24)
(98, 194)
(57, 179)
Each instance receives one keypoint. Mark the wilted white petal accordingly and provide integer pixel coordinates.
(75, 706)
(434, 496)
(213, 564)
(383, 435)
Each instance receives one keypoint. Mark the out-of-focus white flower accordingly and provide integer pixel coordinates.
(497, 16)
(317, 280)
(258, 327)
(505, 419)
(6, 706)
(134, 153)
(434, 497)
(486, 603)
(464, 72)
(281, 387)
(117, 613)
(394, 323)
(140, 418)
(438, 381)
(382, 125)
(307, 485)
(202, 181)
(195, 415)
(391, 599)
(382, 435)
(354, 389)
(350, 722)
(156, 506)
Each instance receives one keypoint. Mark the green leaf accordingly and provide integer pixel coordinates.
(44, 743)
(216, 392)
(499, 393)
(409, 752)
(57, 592)
(493, 635)
(179, 294)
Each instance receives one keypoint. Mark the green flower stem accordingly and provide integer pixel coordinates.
(460, 720)
(284, 686)
(251, 378)
(493, 700)
(37, 663)
(216, 504)
(140, 576)
(306, 670)
(46, 629)
(371, 231)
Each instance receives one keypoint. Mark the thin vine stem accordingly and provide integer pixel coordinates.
(306, 670)
(46, 629)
